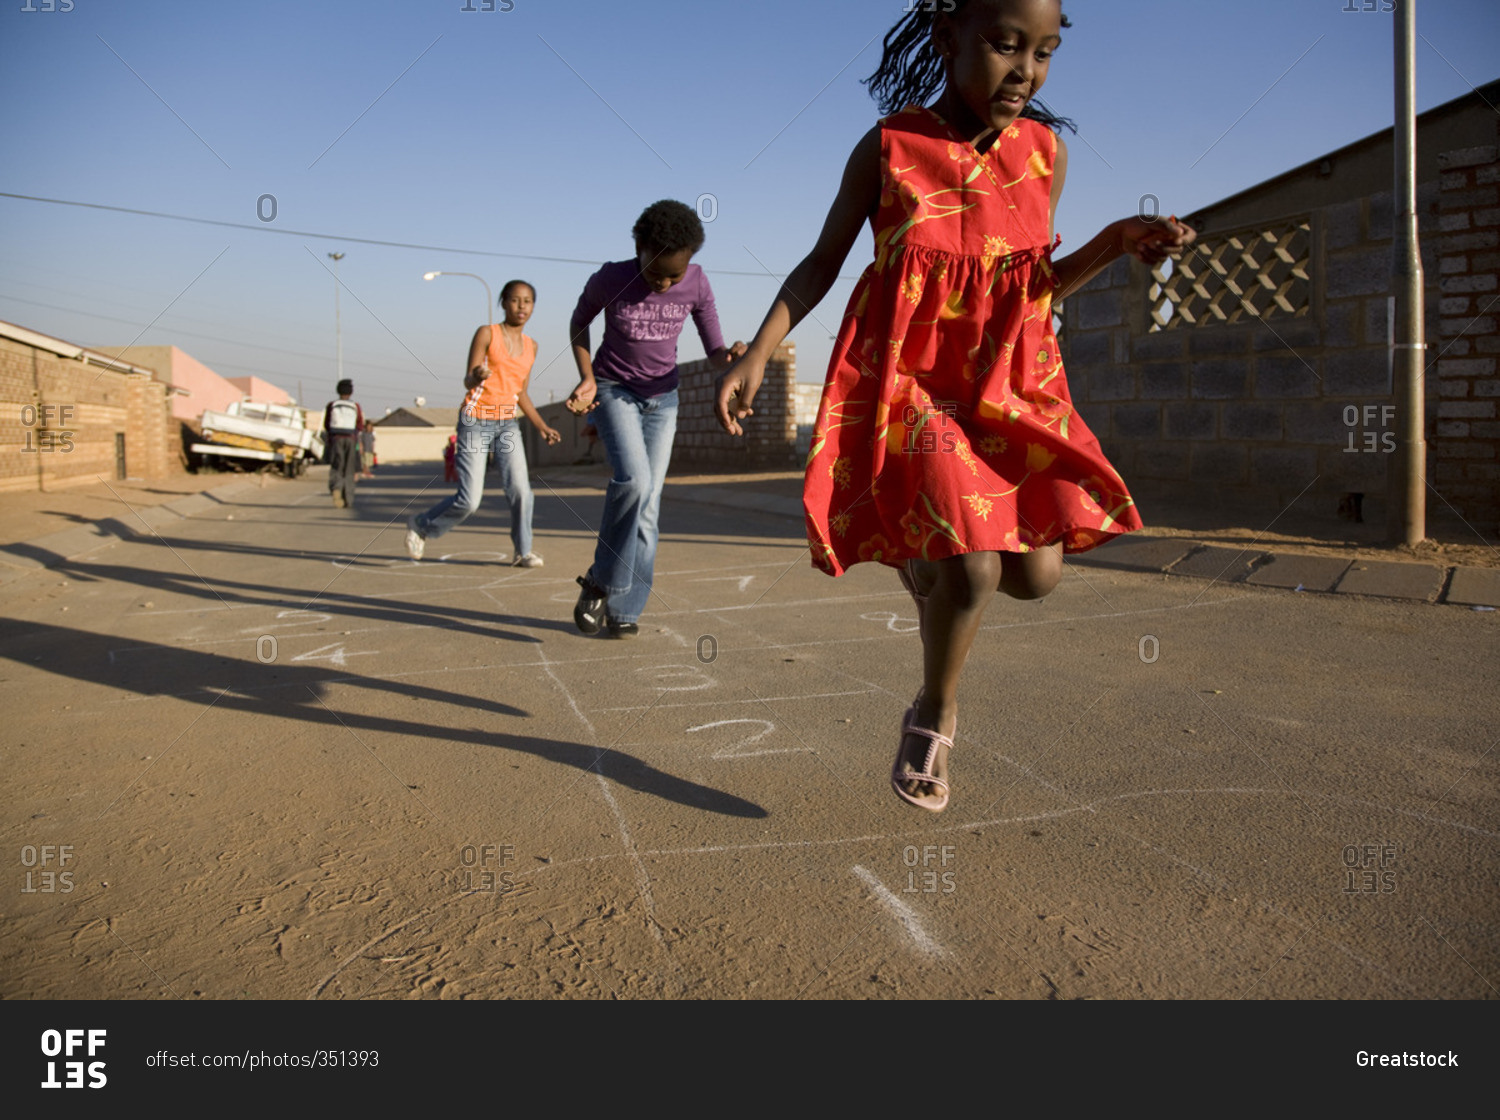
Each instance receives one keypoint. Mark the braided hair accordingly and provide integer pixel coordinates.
(910, 71)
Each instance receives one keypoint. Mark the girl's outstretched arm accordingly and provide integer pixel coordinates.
(808, 283)
(590, 303)
(1151, 241)
(548, 433)
(476, 371)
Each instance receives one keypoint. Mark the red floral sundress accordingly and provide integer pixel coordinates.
(945, 424)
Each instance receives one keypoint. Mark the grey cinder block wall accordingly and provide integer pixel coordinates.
(769, 442)
(1260, 376)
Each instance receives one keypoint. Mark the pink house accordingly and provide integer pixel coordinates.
(258, 390)
(195, 387)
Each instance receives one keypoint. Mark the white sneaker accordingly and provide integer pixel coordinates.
(415, 542)
(530, 560)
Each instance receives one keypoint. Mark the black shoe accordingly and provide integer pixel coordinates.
(623, 629)
(588, 612)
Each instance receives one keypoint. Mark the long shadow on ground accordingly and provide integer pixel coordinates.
(298, 693)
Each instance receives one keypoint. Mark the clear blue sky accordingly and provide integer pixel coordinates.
(544, 131)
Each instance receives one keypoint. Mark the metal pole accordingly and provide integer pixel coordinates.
(489, 296)
(1408, 521)
(338, 325)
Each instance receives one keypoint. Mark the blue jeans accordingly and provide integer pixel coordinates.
(637, 434)
(475, 439)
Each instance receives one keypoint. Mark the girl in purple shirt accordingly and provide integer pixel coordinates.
(630, 388)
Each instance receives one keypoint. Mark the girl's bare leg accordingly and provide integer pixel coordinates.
(1031, 575)
(957, 591)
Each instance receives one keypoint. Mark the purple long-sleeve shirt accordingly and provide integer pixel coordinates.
(639, 349)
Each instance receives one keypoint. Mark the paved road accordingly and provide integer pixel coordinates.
(288, 762)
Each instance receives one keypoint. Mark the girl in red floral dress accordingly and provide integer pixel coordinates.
(946, 444)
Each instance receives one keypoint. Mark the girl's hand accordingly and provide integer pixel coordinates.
(725, 357)
(550, 435)
(737, 387)
(1152, 242)
(581, 399)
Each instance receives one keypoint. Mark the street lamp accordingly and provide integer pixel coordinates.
(338, 327)
(489, 298)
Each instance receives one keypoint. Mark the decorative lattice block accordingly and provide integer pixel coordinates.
(1243, 276)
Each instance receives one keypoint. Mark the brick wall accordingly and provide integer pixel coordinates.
(59, 418)
(769, 443)
(1260, 413)
(770, 439)
(1254, 415)
(1464, 452)
(1275, 382)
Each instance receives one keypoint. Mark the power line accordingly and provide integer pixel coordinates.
(196, 334)
(334, 237)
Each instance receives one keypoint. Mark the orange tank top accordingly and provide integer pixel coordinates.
(495, 397)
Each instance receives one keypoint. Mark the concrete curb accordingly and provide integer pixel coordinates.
(18, 559)
(1410, 580)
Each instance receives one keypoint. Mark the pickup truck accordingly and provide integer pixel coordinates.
(250, 432)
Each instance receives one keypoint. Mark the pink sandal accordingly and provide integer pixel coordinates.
(907, 774)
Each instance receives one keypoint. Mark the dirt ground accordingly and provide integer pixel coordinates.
(1445, 544)
(27, 515)
(287, 762)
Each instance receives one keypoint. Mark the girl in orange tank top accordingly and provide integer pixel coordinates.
(508, 356)
(495, 381)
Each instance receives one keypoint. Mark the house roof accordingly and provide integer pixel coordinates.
(411, 416)
(1487, 95)
(39, 341)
